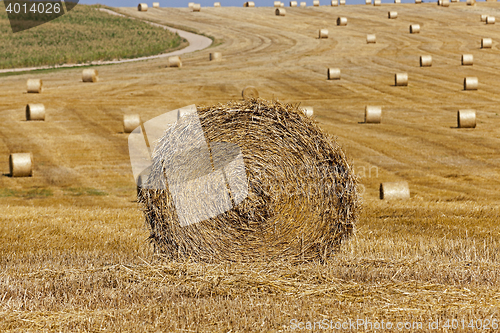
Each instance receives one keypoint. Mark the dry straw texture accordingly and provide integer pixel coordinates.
(215, 56)
(394, 190)
(131, 122)
(216, 4)
(34, 86)
(425, 61)
(174, 61)
(371, 39)
(486, 43)
(323, 33)
(373, 114)
(334, 3)
(21, 165)
(414, 28)
(392, 15)
(471, 83)
(156, 5)
(401, 79)
(333, 73)
(90, 75)
(280, 12)
(293, 3)
(490, 20)
(196, 7)
(142, 7)
(250, 92)
(342, 21)
(35, 112)
(467, 59)
(466, 118)
(316, 3)
(302, 199)
(249, 4)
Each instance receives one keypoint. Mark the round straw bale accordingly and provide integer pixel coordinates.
(308, 111)
(394, 190)
(486, 43)
(425, 61)
(334, 3)
(333, 73)
(418, 1)
(142, 7)
(440, 2)
(131, 122)
(282, 4)
(190, 5)
(301, 200)
(277, 4)
(90, 75)
(490, 20)
(397, 1)
(215, 56)
(377, 2)
(466, 118)
(196, 7)
(471, 83)
(21, 165)
(250, 92)
(342, 21)
(249, 4)
(35, 112)
(303, 4)
(280, 11)
(467, 59)
(34, 86)
(471, 2)
(342, 2)
(174, 61)
(371, 39)
(293, 3)
(373, 114)
(401, 79)
(323, 33)
(216, 4)
(414, 28)
(316, 3)
(368, 2)
(156, 5)
(484, 17)
(392, 15)
(445, 3)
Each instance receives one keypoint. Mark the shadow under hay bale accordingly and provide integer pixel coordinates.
(301, 200)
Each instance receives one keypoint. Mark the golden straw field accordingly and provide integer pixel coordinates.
(74, 254)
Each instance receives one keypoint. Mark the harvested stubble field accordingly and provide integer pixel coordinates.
(81, 262)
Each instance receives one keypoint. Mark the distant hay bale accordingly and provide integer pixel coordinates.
(373, 114)
(250, 92)
(142, 7)
(490, 20)
(34, 86)
(215, 56)
(280, 11)
(467, 59)
(394, 191)
(368, 2)
(174, 61)
(282, 4)
(439, 2)
(308, 111)
(90, 75)
(35, 112)
(301, 201)
(484, 17)
(342, 2)
(445, 3)
(156, 5)
(414, 28)
(196, 7)
(333, 73)
(277, 4)
(323, 33)
(249, 4)
(397, 1)
(131, 122)
(401, 79)
(216, 4)
(392, 15)
(377, 2)
(293, 3)
(371, 39)
(334, 3)
(303, 4)
(418, 1)
(190, 5)
(486, 43)
(471, 83)
(471, 2)
(425, 61)
(21, 165)
(466, 118)
(316, 3)
(342, 21)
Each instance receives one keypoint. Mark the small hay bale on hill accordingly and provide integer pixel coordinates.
(90, 75)
(190, 5)
(490, 20)
(142, 7)
(394, 190)
(486, 43)
(373, 114)
(333, 74)
(316, 3)
(401, 79)
(467, 59)
(414, 28)
(34, 86)
(392, 15)
(216, 4)
(131, 122)
(196, 7)
(280, 11)
(425, 61)
(215, 56)
(35, 112)
(371, 39)
(303, 4)
(250, 92)
(249, 4)
(342, 21)
(277, 4)
(174, 61)
(471, 2)
(342, 2)
(445, 3)
(471, 83)
(368, 2)
(156, 5)
(377, 2)
(334, 3)
(21, 165)
(418, 1)
(466, 118)
(484, 17)
(293, 3)
(397, 1)
(301, 203)
(323, 33)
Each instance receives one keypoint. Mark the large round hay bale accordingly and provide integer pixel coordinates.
(250, 92)
(371, 39)
(215, 56)
(131, 122)
(373, 114)
(471, 83)
(323, 33)
(392, 15)
(466, 118)
(342, 21)
(293, 3)
(280, 11)
(401, 79)
(142, 7)
(486, 43)
(35, 112)
(34, 86)
(278, 188)
(90, 75)
(467, 59)
(414, 28)
(377, 2)
(156, 5)
(394, 190)
(425, 61)
(21, 165)
(490, 20)
(196, 7)
(174, 61)
(333, 73)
